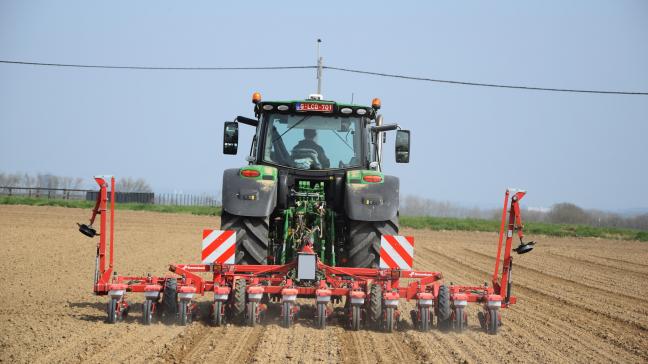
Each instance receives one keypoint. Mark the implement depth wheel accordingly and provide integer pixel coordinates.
(147, 312)
(217, 313)
(238, 305)
(321, 315)
(390, 322)
(170, 297)
(375, 306)
(442, 308)
(183, 313)
(424, 317)
(113, 306)
(286, 314)
(460, 319)
(252, 313)
(492, 321)
(355, 317)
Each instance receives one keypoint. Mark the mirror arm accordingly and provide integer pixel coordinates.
(247, 121)
(386, 127)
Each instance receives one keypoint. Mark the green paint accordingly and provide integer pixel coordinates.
(309, 221)
(357, 176)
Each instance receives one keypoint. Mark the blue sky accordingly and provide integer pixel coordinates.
(468, 143)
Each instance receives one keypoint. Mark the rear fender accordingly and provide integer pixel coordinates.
(250, 196)
(371, 201)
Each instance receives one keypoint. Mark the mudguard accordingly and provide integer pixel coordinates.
(372, 201)
(245, 196)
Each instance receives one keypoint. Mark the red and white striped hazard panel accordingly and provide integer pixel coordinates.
(396, 252)
(218, 246)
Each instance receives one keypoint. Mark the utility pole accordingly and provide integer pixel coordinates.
(320, 63)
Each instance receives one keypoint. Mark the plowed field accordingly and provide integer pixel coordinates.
(579, 300)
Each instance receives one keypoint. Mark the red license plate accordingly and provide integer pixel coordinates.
(311, 106)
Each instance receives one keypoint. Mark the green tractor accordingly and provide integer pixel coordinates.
(314, 177)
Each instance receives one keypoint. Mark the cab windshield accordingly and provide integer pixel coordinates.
(313, 141)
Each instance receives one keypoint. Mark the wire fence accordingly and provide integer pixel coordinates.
(174, 199)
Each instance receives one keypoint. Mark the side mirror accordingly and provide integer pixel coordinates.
(230, 137)
(402, 146)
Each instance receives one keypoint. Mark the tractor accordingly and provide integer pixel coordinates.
(314, 178)
(311, 217)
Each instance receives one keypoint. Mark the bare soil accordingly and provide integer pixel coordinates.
(579, 300)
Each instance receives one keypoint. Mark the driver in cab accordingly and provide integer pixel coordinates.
(309, 143)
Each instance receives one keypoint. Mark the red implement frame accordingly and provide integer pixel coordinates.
(337, 282)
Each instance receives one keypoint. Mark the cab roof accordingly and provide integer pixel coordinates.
(310, 106)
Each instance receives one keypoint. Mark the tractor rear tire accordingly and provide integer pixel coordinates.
(170, 297)
(442, 308)
(375, 306)
(364, 241)
(251, 237)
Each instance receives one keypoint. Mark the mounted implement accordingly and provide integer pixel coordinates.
(309, 227)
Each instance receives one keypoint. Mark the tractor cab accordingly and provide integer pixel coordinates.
(316, 135)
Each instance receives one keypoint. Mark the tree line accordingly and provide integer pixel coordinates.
(48, 180)
(560, 213)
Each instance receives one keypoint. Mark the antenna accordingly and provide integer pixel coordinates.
(320, 62)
